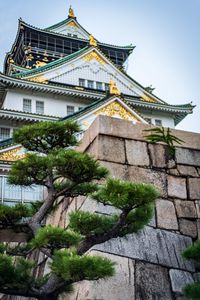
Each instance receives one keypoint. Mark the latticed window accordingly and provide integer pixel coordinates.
(39, 107)
(27, 105)
(70, 110)
(158, 122)
(99, 85)
(4, 133)
(81, 82)
(106, 87)
(90, 84)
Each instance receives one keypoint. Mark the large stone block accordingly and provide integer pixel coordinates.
(188, 156)
(176, 187)
(136, 153)
(158, 156)
(156, 178)
(151, 282)
(194, 188)
(166, 214)
(187, 171)
(188, 227)
(111, 149)
(186, 209)
(117, 170)
(151, 245)
(179, 279)
(120, 286)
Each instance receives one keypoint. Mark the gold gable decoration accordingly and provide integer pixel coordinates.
(92, 41)
(114, 90)
(113, 109)
(71, 13)
(93, 55)
(13, 154)
(38, 79)
(72, 24)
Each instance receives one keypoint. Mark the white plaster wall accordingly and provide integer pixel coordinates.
(167, 121)
(53, 106)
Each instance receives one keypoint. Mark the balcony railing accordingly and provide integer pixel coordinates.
(12, 194)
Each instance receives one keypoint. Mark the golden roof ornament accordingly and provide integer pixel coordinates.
(93, 42)
(71, 12)
(114, 90)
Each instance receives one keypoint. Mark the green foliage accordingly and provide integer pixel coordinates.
(15, 273)
(125, 195)
(192, 291)
(71, 266)
(13, 214)
(78, 167)
(193, 252)
(86, 223)
(161, 134)
(55, 238)
(46, 136)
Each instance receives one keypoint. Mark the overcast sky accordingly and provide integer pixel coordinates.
(166, 34)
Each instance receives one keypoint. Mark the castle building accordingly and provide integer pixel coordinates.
(63, 72)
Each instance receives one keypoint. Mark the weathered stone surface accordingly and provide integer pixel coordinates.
(198, 229)
(185, 209)
(116, 170)
(156, 178)
(118, 287)
(197, 204)
(188, 227)
(171, 164)
(179, 279)
(136, 153)
(194, 188)
(196, 277)
(110, 149)
(166, 214)
(152, 245)
(187, 171)
(177, 187)
(151, 282)
(157, 153)
(188, 156)
(173, 172)
(96, 207)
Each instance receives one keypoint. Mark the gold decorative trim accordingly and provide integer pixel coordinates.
(39, 64)
(92, 41)
(93, 55)
(147, 98)
(72, 24)
(39, 79)
(12, 155)
(114, 90)
(115, 109)
(71, 13)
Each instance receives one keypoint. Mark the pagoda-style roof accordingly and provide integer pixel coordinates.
(33, 45)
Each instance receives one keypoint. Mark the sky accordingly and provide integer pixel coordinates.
(166, 35)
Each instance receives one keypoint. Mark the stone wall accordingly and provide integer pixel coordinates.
(149, 264)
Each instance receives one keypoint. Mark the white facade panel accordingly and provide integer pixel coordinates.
(53, 106)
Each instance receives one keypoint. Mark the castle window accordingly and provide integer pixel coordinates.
(70, 110)
(158, 122)
(106, 87)
(39, 107)
(81, 82)
(90, 84)
(148, 120)
(99, 85)
(27, 105)
(4, 133)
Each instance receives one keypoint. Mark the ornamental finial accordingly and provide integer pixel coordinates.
(114, 90)
(93, 42)
(71, 13)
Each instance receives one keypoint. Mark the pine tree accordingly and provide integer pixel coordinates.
(52, 162)
(192, 291)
